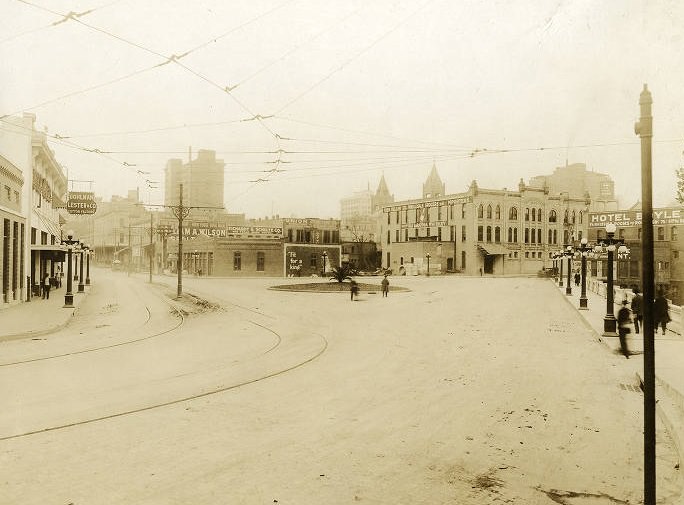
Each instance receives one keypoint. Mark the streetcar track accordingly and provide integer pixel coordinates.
(179, 400)
(110, 346)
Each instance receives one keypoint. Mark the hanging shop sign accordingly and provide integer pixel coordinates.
(81, 202)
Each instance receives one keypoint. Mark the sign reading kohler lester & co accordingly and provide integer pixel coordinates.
(81, 202)
(632, 218)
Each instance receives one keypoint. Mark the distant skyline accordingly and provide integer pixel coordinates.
(309, 101)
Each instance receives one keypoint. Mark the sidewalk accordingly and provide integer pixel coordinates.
(669, 360)
(38, 317)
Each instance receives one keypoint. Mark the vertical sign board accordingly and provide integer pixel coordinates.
(81, 202)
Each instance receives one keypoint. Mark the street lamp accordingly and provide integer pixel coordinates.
(427, 255)
(69, 243)
(76, 244)
(87, 265)
(560, 273)
(608, 245)
(195, 255)
(584, 252)
(568, 254)
(81, 288)
(325, 257)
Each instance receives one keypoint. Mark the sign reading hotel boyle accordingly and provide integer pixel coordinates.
(430, 204)
(81, 202)
(633, 218)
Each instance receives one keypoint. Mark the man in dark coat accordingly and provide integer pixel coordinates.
(661, 313)
(623, 320)
(637, 309)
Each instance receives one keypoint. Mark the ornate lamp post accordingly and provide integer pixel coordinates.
(560, 273)
(584, 252)
(69, 243)
(88, 252)
(608, 245)
(568, 254)
(81, 288)
(76, 244)
(325, 257)
(427, 255)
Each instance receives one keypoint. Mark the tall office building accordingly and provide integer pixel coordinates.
(202, 180)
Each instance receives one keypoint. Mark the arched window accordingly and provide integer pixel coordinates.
(497, 234)
(510, 234)
(497, 213)
(533, 236)
(539, 215)
(489, 233)
(515, 235)
(534, 214)
(550, 241)
(527, 213)
(573, 217)
(527, 235)
(555, 236)
(480, 211)
(552, 216)
(581, 217)
(513, 213)
(489, 211)
(539, 235)
(566, 219)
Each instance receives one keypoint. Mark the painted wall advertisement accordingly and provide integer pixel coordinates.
(633, 218)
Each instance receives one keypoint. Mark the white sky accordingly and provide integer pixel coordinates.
(356, 88)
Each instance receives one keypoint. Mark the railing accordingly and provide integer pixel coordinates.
(619, 294)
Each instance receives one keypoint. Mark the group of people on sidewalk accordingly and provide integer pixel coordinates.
(49, 282)
(625, 316)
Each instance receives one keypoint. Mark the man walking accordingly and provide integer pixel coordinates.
(385, 286)
(637, 309)
(623, 320)
(46, 286)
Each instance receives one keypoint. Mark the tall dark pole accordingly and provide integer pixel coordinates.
(644, 128)
(583, 295)
(69, 296)
(151, 244)
(609, 322)
(88, 267)
(428, 266)
(75, 264)
(81, 288)
(180, 212)
(568, 287)
(560, 276)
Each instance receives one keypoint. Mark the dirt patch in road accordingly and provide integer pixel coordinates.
(333, 287)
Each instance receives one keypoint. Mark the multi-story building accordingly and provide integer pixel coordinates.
(668, 245)
(202, 180)
(13, 247)
(480, 231)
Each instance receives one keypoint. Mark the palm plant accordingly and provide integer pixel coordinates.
(342, 273)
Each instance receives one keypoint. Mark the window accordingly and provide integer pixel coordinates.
(463, 211)
(396, 236)
(527, 213)
(539, 235)
(566, 219)
(675, 254)
(313, 261)
(439, 234)
(527, 254)
(261, 261)
(510, 234)
(396, 220)
(427, 232)
(552, 216)
(463, 233)
(406, 235)
(497, 234)
(550, 241)
(534, 214)
(480, 211)
(388, 236)
(573, 217)
(451, 211)
(33, 235)
(480, 233)
(439, 213)
(539, 215)
(489, 211)
(237, 260)
(555, 236)
(489, 233)
(661, 233)
(533, 236)
(388, 217)
(497, 213)
(581, 217)
(673, 233)
(527, 235)
(513, 213)
(452, 233)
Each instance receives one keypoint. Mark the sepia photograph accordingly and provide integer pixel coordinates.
(305, 252)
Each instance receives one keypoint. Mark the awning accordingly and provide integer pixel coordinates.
(54, 252)
(492, 249)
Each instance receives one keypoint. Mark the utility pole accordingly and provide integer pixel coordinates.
(130, 249)
(644, 128)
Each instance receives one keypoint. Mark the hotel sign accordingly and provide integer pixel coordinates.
(427, 205)
(633, 218)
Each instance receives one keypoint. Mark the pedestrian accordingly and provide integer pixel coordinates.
(661, 313)
(623, 320)
(353, 289)
(637, 309)
(46, 286)
(578, 278)
(480, 271)
(385, 286)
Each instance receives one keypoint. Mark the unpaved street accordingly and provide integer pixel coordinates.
(463, 391)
